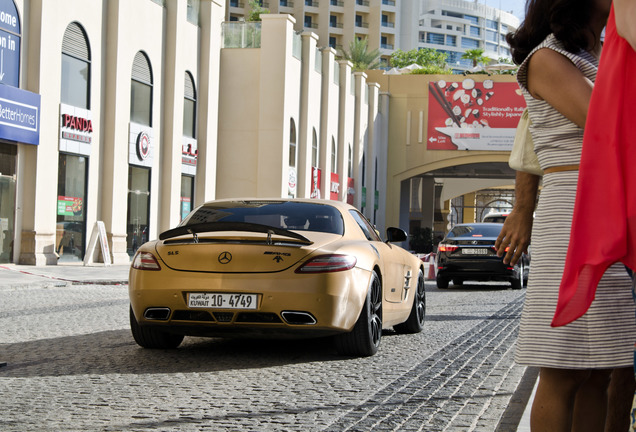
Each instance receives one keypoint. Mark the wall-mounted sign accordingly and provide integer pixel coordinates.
(473, 114)
(19, 115)
(143, 145)
(9, 44)
(291, 182)
(76, 130)
(351, 191)
(189, 155)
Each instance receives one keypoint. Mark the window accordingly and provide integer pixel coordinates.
(451, 40)
(332, 41)
(76, 72)
(492, 24)
(365, 226)
(474, 31)
(193, 11)
(189, 107)
(350, 164)
(435, 38)
(138, 208)
(492, 36)
(292, 143)
(470, 43)
(472, 19)
(314, 149)
(187, 195)
(141, 91)
(70, 239)
(334, 156)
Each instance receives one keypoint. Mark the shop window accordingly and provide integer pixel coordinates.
(138, 207)
(70, 238)
(187, 195)
(76, 67)
(141, 91)
(189, 107)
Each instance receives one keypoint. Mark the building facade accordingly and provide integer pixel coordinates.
(451, 26)
(112, 130)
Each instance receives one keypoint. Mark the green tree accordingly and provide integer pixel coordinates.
(476, 55)
(360, 56)
(422, 240)
(256, 10)
(431, 60)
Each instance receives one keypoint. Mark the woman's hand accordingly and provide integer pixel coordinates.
(514, 237)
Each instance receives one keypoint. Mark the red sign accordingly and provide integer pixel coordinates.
(315, 183)
(334, 192)
(351, 191)
(470, 115)
(77, 123)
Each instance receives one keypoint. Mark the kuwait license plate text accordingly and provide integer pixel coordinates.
(222, 301)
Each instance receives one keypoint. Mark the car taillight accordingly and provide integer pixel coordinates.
(145, 261)
(447, 248)
(328, 264)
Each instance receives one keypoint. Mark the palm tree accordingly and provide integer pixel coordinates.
(476, 55)
(360, 56)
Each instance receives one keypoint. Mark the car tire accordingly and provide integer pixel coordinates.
(415, 321)
(526, 273)
(152, 337)
(442, 282)
(364, 339)
(517, 280)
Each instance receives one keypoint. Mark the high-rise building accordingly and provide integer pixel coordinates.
(452, 26)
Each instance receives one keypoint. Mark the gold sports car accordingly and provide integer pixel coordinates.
(275, 268)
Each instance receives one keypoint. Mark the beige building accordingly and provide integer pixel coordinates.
(113, 128)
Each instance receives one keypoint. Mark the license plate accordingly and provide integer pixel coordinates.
(222, 301)
(474, 251)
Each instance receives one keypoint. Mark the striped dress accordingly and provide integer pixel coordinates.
(604, 337)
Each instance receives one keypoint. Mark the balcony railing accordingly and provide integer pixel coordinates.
(362, 3)
(241, 34)
(362, 24)
(388, 2)
(335, 25)
(338, 3)
(311, 3)
(237, 4)
(386, 46)
(286, 3)
(388, 24)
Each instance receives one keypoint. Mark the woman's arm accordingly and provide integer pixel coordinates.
(625, 12)
(515, 234)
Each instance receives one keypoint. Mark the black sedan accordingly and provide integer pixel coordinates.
(468, 253)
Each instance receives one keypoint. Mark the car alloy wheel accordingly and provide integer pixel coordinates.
(415, 321)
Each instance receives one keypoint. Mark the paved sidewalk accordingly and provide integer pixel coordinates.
(13, 275)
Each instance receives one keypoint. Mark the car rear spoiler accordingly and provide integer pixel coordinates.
(194, 229)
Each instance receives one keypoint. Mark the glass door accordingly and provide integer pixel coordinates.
(7, 201)
(70, 239)
(138, 207)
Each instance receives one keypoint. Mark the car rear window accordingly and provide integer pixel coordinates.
(287, 215)
(477, 230)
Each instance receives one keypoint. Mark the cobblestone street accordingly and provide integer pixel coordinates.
(72, 365)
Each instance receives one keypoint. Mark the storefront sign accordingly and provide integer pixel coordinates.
(315, 183)
(189, 153)
(143, 145)
(76, 125)
(9, 44)
(19, 115)
(473, 115)
(335, 187)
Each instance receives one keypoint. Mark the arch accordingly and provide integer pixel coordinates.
(141, 90)
(76, 67)
(189, 106)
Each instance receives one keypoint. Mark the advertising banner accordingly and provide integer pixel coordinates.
(351, 191)
(335, 187)
(471, 115)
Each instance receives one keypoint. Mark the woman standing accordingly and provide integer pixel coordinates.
(558, 48)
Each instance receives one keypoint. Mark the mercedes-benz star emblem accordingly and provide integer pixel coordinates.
(225, 257)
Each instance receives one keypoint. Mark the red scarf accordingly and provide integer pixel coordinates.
(604, 223)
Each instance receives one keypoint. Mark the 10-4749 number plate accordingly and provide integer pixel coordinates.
(222, 301)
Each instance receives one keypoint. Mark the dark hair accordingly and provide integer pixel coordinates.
(569, 20)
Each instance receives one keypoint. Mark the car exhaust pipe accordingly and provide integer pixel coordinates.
(298, 318)
(157, 314)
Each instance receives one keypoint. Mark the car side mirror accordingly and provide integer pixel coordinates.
(395, 235)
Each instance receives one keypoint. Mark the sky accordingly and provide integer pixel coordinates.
(516, 6)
